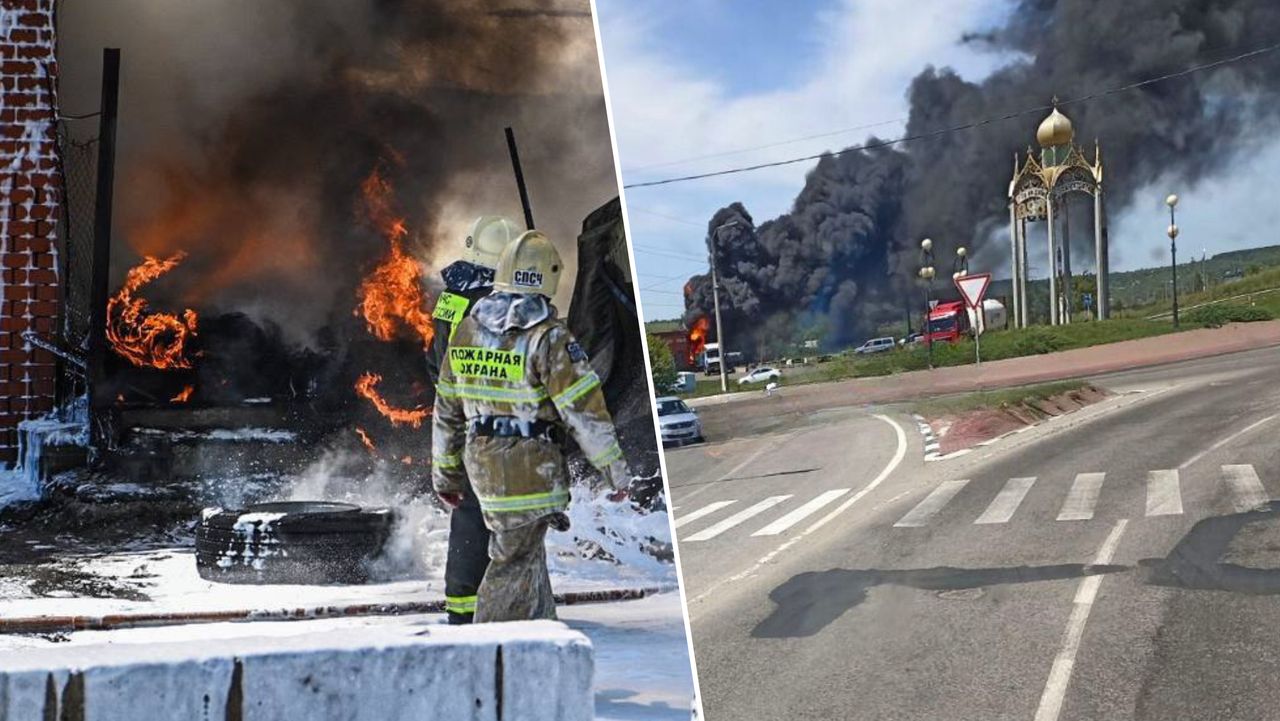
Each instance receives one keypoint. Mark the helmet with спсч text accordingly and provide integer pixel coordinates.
(530, 264)
(488, 235)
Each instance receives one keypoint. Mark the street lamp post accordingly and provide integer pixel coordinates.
(926, 274)
(715, 300)
(1172, 202)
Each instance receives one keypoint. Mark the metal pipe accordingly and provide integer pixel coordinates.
(524, 191)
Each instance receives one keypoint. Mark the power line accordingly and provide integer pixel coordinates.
(957, 128)
(766, 146)
(667, 253)
(656, 214)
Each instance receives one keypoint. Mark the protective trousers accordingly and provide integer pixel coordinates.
(517, 586)
(467, 560)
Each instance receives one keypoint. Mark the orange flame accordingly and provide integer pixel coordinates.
(365, 439)
(392, 295)
(184, 396)
(146, 339)
(366, 387)
(698, 337)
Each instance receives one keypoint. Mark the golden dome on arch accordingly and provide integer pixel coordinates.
(1055, 130)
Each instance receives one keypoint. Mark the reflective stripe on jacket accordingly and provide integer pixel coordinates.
(534, 373)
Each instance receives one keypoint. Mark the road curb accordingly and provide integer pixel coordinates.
(933, 447)
(71, 624)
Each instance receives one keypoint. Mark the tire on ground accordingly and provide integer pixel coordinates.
(291, 543)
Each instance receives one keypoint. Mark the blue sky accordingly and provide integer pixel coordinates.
(721, 78)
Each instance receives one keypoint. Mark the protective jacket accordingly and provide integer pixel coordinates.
(514, 383)
(468, 555)
(464, 284)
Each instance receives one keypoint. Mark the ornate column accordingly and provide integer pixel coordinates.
(1022, 272)
(1101, 252)
(1013, 260)
(1053, 262)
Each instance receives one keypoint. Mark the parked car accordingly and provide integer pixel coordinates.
(686, 382)
(763, 374)
(876, 345)
(911, 339)
(678, 422)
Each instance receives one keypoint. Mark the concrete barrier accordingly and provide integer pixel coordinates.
(530, 671)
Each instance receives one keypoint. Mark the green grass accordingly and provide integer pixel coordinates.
(1012, 343)
(997, 345)
(949, 405)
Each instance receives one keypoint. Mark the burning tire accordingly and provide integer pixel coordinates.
(291, 543)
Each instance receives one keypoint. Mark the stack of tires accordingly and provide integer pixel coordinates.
(304, 542)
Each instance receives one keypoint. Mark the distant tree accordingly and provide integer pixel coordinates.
(662, 365)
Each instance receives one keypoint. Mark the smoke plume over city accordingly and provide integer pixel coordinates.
(844, 259)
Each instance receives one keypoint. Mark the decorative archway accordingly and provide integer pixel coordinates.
(1040, 191)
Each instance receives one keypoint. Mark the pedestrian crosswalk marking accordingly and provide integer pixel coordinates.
(1164, 495)
(1083, 497)
(932, 503)
(1246, 487)
(1007, 501)
(800, 513)
(739, 517)
(1163, 498)
(706, 510)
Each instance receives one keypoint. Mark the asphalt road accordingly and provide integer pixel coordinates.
(1106, 565)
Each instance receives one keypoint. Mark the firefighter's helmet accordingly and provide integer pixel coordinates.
(488, 235)
(530, 264)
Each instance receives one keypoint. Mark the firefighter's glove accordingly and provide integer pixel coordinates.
(452, 499)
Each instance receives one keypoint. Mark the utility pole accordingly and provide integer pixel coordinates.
(101, 412)
(1172, 202)
(715, 300)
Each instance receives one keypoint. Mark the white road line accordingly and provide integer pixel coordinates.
(1226, 440)
(746, 513)
(800, 513)
(1082, 498)
(932, 503)
(1055, 689)
(1007, 501)
(1247, 490)
(1164, 494)
(706, 510)
(885, 472)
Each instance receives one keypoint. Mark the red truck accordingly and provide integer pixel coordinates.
(950, 320)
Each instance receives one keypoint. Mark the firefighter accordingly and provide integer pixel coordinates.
(466, 281)
(515, 382)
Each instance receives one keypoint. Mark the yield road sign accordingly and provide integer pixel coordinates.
(973, 287)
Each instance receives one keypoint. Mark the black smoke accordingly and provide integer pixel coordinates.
(848, 249)
(246, 129)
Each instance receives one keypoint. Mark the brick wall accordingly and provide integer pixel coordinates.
(30, 207)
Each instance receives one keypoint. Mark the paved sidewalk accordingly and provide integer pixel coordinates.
(1077, 363)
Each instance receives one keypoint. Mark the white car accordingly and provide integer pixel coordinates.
(678, 422)
(763, 374)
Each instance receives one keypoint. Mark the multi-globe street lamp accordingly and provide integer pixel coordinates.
(927, 273)
(1172, 202)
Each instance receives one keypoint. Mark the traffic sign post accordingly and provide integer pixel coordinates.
(972, 288)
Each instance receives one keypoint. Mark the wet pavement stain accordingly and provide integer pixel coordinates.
(1196, 561)
(809, 602)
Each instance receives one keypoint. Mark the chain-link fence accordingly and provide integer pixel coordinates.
(80, 178)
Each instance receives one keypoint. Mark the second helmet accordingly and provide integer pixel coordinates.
(530, 264)
(488, 235)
